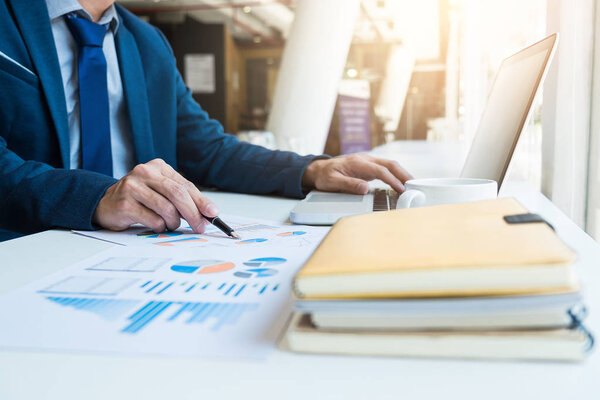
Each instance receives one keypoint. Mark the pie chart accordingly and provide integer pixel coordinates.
(256, 273)
(264, 262)
(202, 266)
(295, 233)
(154, 235)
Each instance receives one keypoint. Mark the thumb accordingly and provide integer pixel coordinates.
(351, 185)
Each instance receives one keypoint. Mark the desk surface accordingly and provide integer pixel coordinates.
(41, 375)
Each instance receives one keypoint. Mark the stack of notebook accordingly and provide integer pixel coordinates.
(475, 280)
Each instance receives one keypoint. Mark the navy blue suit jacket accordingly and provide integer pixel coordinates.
(38, 190)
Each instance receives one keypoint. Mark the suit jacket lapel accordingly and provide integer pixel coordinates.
(134, 87)
(34, 22)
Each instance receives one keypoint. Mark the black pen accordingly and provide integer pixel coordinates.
(223, 227)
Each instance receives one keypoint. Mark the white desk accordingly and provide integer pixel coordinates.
(64, 376)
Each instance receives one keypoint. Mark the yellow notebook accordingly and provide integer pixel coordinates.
(449, 250)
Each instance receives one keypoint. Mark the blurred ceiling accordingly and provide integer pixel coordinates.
(269, 21)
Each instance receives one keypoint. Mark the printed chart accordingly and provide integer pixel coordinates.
(293, 233)
(202, 266)
(189, 241)
(89, 285)
(207, 288)
(129, 264)
(256, 273)
(265, 261)
(171, 293)
(109, 309)
(255, 233)
(251, 241)
(154, 235)
(220, 314)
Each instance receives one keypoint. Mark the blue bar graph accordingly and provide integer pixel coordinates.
(240, 290)
(190, 288)
(226, 289)
(165, 288)
(159, 287)
(109, 309)
(151, 288)
(230, 289)
(222, 314)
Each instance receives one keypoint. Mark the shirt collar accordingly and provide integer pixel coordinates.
(59, 8)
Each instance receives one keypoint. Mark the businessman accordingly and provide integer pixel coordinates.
(97, 129)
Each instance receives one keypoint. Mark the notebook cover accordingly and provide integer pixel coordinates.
(439, 237)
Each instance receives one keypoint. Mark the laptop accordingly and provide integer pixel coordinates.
(507, 109)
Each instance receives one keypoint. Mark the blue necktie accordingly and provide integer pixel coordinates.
(93, 95)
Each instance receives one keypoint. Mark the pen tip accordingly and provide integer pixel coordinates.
(235, 235)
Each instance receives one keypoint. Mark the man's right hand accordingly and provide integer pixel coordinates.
(154, 195)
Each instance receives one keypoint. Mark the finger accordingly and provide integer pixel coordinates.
(147, 217)
(348, 184)
(156, 174)
(178, 195)
(384, 174)
(395, 168)
(205, 206)
(160, 205)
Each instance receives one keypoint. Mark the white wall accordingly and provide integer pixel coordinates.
(567, 107)
(593, 211)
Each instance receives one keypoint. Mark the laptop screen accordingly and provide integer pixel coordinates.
(506, 111)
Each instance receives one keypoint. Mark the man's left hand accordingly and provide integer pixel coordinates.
(350, 174)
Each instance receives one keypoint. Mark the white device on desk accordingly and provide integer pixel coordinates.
(502, 121)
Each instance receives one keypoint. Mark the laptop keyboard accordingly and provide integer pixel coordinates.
(384, 200)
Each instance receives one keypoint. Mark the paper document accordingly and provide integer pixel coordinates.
(206, 297)
(199, 70)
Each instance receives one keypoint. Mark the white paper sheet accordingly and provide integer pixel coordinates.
(213, 298)
(200, 72)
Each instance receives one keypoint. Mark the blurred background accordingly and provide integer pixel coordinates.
(346, 76)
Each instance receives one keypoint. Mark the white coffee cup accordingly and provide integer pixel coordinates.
(431, 192)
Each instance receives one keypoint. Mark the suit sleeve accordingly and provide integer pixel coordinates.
(34, 196)
(209, 157)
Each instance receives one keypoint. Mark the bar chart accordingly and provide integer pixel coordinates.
(109, 309)
(213, 315)
(225, 288)
(220, 314)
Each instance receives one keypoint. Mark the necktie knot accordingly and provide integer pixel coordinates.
(86, 32)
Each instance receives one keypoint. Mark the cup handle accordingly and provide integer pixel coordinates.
(410, 198)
